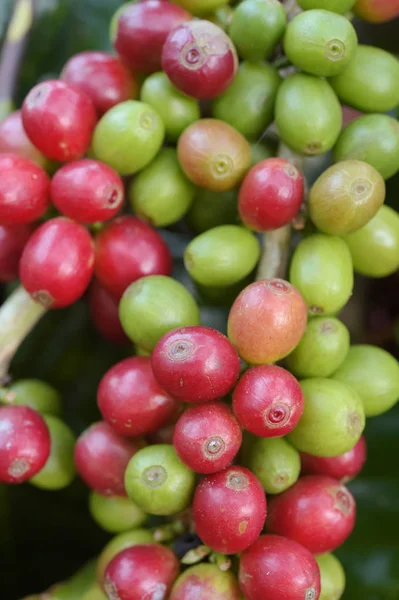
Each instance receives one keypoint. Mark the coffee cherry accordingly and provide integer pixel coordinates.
(376, 12)
(24, 190)
(143, 571)
(270, 195)
(119, 543)
(337, 6)
(276, 567)
(211, 209)
(343, 467)
(332, 577)
(127, 249)
(103, 77)
(207, 437)
(104, 313)
(158, 482)
(59, 119)
(201, 7)
(199, 59)
(24, 443)
(214, 155)
(131, 400)
(206, 581)
(275, 463)
(57, 263)
(37, 394)
(320, 501)
(139, 31)
(319, 259)
(115, 514)
(229, 510)
(12, 243)
(101, 458)
(268, 401)
(333, 419)
(13, 139)
(195, 364)
(267, 320)
(320, 42)
(374, 374)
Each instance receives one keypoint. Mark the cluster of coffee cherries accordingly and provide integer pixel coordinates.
(245, 441)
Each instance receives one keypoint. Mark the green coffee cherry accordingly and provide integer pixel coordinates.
(256, 28)
(322, 348)
(320, 42)
(158, 481)
(374, 139)
(374, 374)
(262, 150)
(95, 593)
(221, 17)
(201, 7)
(345, 197)
(211, 209)
(128, 136)
(333, 419)
(176, 110)
(332, 576)
(161, 193)
(222, 256)
(375, 247)
(276, 464)
(154, 305)
(370, 83)
(37, 394)
(115, 514)
(59, 470)
(250, 113)
(321, 269)
(337, 6)
(308, 114)
(120, 543)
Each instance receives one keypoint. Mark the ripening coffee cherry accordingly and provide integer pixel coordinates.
(343, 467)
(12, 243)
(377, 12)
(13, 139)
(208, 581)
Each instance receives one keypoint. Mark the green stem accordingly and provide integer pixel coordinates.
(196, 555)
(168, 532)
(220, 560)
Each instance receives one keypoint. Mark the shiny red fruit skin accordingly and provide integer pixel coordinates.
(102, 76)
(270, 195)
(344, 467)
(200, 59)
(87, 191)
(142, 30)
(13, 139)
(104, 313)
(12, 243)
(57, 263)
(276, 567)
(142, 572)
(229, 510)
(24, 443)
(59, 120)
(24, 190)
(196, 364)
(101, 458)
(317, 512)
(131, 400)
(377, 11)
(127, 249)
(268, 401)
(207, 437)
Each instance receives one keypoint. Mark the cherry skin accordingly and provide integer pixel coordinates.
(276, 567)
(101, 458)
(102, 76)
(141, 30)
(317, 512)
(196, 364)
(87, 191)
(13, 139)
(57, 263)
(200, 59)
(344, 467)
(131, 400)
(59, 120)
(229, 510)
(24, 190)
(127, 249)
(206, 581)
(268, 401)
(24, 443)
(270, 195)
(141, 571)
(12, 243)
(104, 313)
(207, 437)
